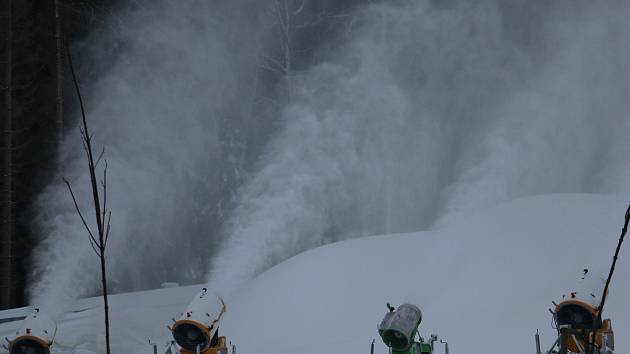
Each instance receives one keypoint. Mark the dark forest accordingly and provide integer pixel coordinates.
(35, 107)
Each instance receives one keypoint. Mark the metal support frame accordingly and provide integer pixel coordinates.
(445, 346)
(562, 342)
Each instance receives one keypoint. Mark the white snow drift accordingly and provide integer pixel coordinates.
(484, 283)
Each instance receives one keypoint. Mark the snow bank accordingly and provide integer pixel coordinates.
(484, 283)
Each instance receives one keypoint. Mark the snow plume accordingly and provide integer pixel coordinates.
(174, 83)
(403, 116)
(429, 110)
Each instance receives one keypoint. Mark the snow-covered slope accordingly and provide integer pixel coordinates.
(484, 283)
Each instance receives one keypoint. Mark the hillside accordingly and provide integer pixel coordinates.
(484, 283)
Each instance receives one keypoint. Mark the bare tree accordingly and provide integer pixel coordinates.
(6, 239)
(59, 73)
(284, 13)
(102, 215)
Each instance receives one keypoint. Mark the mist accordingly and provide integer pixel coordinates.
(430, 112)
(391, 117)
(173, 75)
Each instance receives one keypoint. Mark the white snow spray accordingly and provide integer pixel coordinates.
(414, 113)
(430, 111)
(177, 76)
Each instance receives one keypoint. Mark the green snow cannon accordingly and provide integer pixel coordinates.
(399, 328)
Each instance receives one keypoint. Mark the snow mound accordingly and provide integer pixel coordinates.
(484, 283)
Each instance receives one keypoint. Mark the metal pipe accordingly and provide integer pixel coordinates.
(553, 346)
(564, 343)
(445, 346)
(577, 343)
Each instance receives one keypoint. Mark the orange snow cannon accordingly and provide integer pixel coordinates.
(578, 313)
(197, 330)
(36, 335)
(577, 318)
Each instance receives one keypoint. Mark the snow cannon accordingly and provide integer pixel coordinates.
(399, 328)
(577, 311)
(578, 315)
(579, 322)
(36, 335)
(197, 331)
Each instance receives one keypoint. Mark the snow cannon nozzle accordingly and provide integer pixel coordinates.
(581, 329)
(36, 336)
(197, 331)
(579, 307)
(399, 327)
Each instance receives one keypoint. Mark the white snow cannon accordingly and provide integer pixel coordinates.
(197, 331)
(36, 335)
(399, 329)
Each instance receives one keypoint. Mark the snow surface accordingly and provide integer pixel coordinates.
(484, 283)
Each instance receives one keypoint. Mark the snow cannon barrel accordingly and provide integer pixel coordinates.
(578, 314)
(198, 327)
(36, 335)
(579, 308)
(399, 327)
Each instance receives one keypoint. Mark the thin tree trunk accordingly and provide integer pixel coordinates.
(6, 239)
(105, 301)
(59, 120)
(103, 233)
(283, 63)
(287, 49)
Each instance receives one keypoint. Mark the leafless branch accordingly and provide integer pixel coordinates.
(109, 220)
(269, 63)
(100, 156)
(76, 205)
(300, 8)
(104, 184)
(92, 239)
(103, 230)
(281, 16)
(95, 248)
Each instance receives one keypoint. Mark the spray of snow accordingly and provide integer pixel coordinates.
(330, 299)
(428, 112)
(179, 72)
(422, 112)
